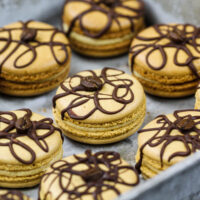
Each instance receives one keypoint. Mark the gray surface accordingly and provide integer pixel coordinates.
(176, 183)
(159, 11)
(14, 10)
(173, 11)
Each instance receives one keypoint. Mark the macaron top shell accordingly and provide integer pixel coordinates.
(99, 96)
(12, 195)
(27, 138)
(111, 15)
(91, 176)
(172, 50)
(170, 138)
(32, 47)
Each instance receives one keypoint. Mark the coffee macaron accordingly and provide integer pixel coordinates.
(34, 58)
(167, 140)
(99, 106)
(13, 195)
(29, 143)
(165, 58)
(89, 176)
(102, 28)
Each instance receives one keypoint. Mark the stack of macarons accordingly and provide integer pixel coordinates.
(29, 144)
(34, 58)
(102, 28)
(99, 106)
(95, 106)
(167, 140)
(166, 59)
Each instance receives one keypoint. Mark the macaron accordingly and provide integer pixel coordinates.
(165, 58)
(34, 58)
(103, 175)
(29, 144)
(102, 28)
(12, 195)
(197, 98)
(167, 140)
(99, 106)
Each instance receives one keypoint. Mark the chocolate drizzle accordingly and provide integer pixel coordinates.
(28, 35)
(31, 42)
(109, 3)
(101, 173)
(12, 195)
(109, 9)
(185, 123)
(92, 175)
(23, 124)
(114, 81)
(17, 128)
(178, 37)
(189, 134)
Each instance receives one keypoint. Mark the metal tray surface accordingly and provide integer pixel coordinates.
(14, 10)
(163, 184)
(159, 11)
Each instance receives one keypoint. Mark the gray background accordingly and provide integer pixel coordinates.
(47, 10)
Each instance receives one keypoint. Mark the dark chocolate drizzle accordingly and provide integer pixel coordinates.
(15, 129)
(179, 38)
(28, 35)
(30, 40)
(108, 8)
(93, 177)
(187, 126)
(12, 195)
(112, 80)
(23, 124)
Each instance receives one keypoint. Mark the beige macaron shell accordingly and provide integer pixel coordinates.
(44, 60)
(109, 105)
(54, 142)
(173, 147)
(52, 191)
(74, 8)
(170, 69)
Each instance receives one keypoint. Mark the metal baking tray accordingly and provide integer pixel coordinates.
(179, 182)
